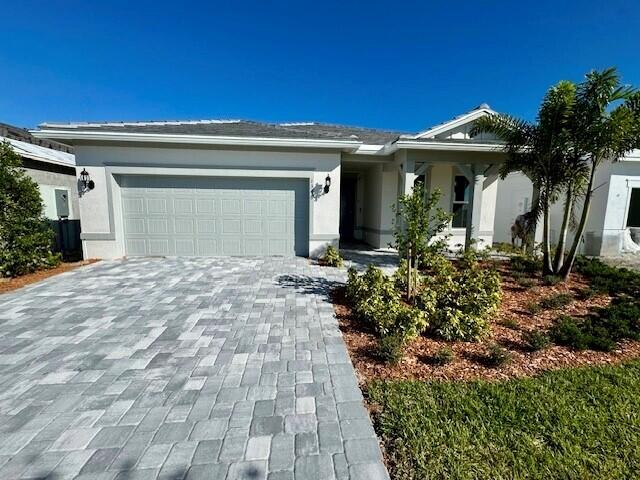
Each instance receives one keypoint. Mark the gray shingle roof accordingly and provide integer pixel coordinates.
(238, 128)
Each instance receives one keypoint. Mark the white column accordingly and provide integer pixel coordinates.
(476, 177)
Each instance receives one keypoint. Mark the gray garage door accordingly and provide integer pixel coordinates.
(206, 216)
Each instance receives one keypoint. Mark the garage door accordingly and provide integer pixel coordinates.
(204, 216)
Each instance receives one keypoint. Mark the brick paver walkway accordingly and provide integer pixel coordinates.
(181, 368)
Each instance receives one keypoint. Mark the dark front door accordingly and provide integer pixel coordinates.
(347, 207)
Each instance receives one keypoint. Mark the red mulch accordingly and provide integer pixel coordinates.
(469, 362)
(9, 284)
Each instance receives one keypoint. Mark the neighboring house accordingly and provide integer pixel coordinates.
(52, 166)
(613, 227)
(219, 187)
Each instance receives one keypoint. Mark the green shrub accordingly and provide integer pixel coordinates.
(525, 264)
(498, 356)
(332, 257)
(509, 322)
(391, 348)
(534, 308)
(535, 340)
(612, 280)
(25, 237)
(464, 299)
(551, 280)
(375, 298)
(567, 331)
(526, 282)
(556, 301)
(443, 356)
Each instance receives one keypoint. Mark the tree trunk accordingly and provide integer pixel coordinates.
(546, 256)
(409, 273)
(586, 207)
(562, 240)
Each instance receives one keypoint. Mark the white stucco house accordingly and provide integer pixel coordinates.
(613, 227)
(231, 187)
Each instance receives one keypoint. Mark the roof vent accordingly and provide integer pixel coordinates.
(484, 106)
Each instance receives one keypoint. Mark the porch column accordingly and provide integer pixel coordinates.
(476, 176)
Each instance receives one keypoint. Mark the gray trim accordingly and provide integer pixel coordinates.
(98, 236)
(323, 237)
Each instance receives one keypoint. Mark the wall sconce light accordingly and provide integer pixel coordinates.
(327, 184)
(85, 181)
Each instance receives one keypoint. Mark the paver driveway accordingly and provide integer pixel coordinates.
(172, 368)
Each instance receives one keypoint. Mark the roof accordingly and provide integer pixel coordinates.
(237, 128)
(41, 154)
(42, 150)
(480, 110)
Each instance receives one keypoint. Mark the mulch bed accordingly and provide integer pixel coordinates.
(469, 363)
(9, 284)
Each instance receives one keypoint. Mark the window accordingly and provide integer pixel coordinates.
(460, 201)
(633, 217)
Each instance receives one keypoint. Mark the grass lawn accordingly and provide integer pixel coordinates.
(570, 424)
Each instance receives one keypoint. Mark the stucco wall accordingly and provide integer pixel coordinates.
(101, 211)
(48, 182)
(513, 198)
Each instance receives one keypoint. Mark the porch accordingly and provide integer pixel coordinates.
(467, 181)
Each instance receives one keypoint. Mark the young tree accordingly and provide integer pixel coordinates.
(25, 237)
(418, 221)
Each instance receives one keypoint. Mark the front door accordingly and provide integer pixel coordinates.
(347, 207)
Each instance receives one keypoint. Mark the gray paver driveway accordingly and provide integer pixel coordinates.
(181, 368)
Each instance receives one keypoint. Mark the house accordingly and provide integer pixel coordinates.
(613, 227)
(52, 166)
(234, 187)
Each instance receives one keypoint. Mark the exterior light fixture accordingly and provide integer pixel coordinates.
(85, 181)
(327, 184)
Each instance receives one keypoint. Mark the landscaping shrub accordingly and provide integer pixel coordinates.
(567, 331)
(526, 264)
(612, 280)
(534, 308)
(509, 322)
(375, 298)
(332, 257)
(526, 282)
(497, 356)
(464, 299)
(391, 348)
(550, 280)
(443, 356)
(535, 340)
(556, 301)
(25, 236)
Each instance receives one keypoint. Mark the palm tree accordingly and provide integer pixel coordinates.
(578, 128)
(607, 127)
(538, 149)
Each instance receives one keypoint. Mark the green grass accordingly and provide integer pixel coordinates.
(570, 424)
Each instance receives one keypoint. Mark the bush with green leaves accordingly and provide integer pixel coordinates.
(25, 236)
(375, 298)
(535, 340)
(332, 257)
(556, 301)
(607, 279)
(464, 298)
(391, 348)
(444, 356)
(525, 264)
(497, 356)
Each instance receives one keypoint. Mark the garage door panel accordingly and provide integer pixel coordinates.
(214, 216)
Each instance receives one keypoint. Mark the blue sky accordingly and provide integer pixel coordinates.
(395, 65)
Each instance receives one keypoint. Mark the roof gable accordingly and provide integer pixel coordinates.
(456, 128)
